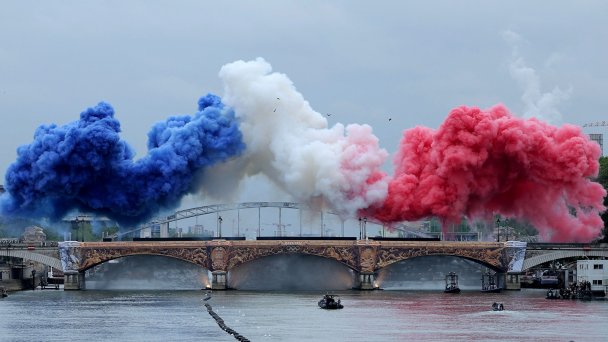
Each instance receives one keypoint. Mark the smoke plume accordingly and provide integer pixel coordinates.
(293, 146)
(536, 103)
(85, 165)
(479, 163)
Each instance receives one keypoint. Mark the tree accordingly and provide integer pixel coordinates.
(602, 178)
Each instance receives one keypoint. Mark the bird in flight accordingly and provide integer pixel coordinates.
(389, 119)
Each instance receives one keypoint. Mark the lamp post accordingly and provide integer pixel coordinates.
(360, 228)
(497, 229)
(365, 227)
(219, 225)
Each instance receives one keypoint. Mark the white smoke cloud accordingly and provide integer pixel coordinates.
(537, 104)
(291, 144)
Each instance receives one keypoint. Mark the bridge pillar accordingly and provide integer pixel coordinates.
(73, 280)
(218, 280)
(512, 281)
(367, 281)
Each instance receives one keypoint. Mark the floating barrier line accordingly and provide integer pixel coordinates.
(224, 327)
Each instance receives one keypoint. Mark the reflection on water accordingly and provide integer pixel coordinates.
(286, 272)
(167, 315)
(428, 273)
(51, 315)
(146, 272)
(291, 272)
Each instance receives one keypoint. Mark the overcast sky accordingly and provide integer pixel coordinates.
(361, 61)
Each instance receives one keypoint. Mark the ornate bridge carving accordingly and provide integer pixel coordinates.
(91, 254)
(488, 253)
(340, 251)
(220, 255)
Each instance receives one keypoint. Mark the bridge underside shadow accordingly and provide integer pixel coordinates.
(146, 272)
(291, 272)
(428, 273)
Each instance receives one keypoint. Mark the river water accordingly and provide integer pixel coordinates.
(138, 315)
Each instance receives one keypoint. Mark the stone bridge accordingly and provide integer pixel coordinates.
(365, 257)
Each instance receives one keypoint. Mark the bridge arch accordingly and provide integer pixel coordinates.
(94, 257)
(32, 256)
(292, 271)
(562, 254)
(330, 253)
(491, 255)
(475, 260)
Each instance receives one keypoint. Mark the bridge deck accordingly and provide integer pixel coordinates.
(269, 243)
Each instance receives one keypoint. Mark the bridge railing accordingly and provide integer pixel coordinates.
(17, 243)
(566, 245)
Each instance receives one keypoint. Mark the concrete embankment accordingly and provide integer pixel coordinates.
(12, 285)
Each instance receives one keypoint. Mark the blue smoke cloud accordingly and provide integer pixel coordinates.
(85, 165)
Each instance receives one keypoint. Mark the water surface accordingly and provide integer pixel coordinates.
(51, 315)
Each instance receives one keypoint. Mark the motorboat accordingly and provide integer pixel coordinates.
(451, 283)
(553, 294)
(498, 307)
(330, 302)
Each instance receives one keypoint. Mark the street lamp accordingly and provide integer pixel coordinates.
(219, 223)
(497, 229)
(365, 227)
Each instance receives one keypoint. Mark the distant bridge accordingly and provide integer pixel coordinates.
(218, 208)
(45, 255)
(541, 253)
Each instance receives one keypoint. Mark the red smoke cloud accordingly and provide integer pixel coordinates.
(480, 163)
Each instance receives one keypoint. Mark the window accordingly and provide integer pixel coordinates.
(597, 282)
(598, 266)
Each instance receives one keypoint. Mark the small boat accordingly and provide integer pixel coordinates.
(451, 283)
(330, 302)
(498, 307)
(3, 292)
(488, 283)
(553, 294)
